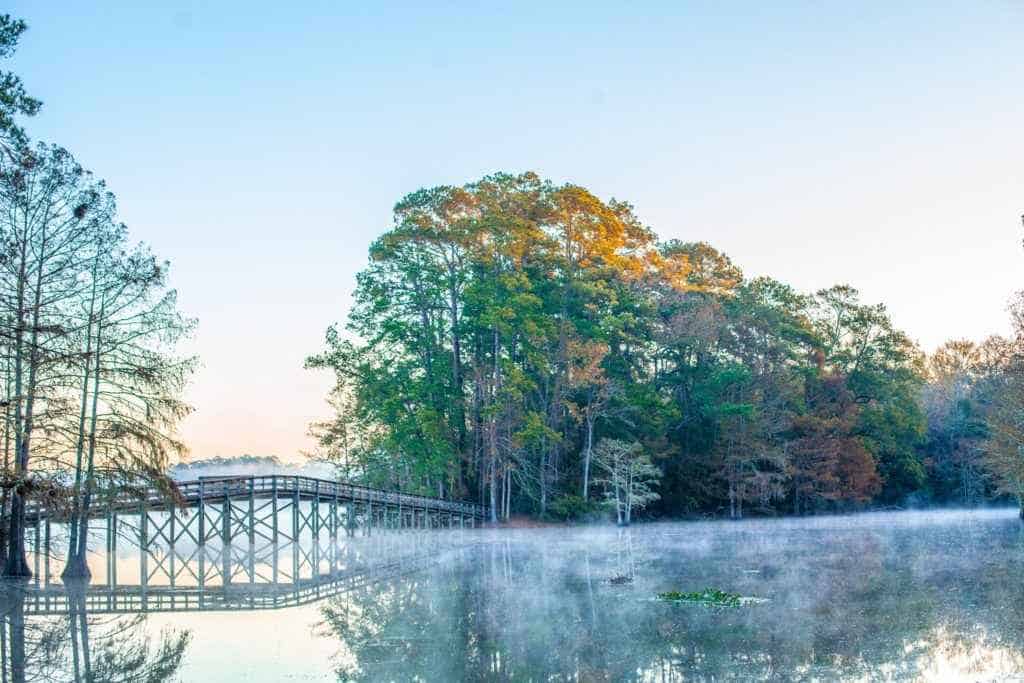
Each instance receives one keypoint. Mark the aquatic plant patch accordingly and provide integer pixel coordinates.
(711, 597)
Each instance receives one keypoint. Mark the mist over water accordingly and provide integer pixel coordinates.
(250, 466)
(889, 596)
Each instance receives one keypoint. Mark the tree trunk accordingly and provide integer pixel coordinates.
(629, 496)
(586, 456)
(459, 407)
(492, 475)
(508, 492)
(618, 501)
(90, 482)
(16, 565)
(543, 478)
(75, 565)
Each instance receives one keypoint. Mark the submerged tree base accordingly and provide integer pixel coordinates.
(711, 597)
(16, 567)
(76, 569)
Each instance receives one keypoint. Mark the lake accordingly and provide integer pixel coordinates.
(882, 596)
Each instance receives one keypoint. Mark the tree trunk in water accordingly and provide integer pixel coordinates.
(16, 615)
(90, 483)
(75, 565)
(17, 565)
(5, 496)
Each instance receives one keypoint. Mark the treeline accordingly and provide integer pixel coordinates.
(89, 379)
(248, 465)
(531, 346)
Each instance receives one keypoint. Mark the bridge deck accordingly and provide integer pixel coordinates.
(219, 489)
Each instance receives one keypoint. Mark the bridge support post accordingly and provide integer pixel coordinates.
(111, 559)
(46, 548)
(201, 511)
(273, 527)
(315, 509)
(296, 512)
(225, 535)
(113, 548)
(170, 550)
(334, 530)
(369, 518)
(37, 543)
(143, 548)
(252, 530)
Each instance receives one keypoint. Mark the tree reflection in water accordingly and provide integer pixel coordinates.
(869, 603)
(75, 646)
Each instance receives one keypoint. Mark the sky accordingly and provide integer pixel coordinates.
(260, 148)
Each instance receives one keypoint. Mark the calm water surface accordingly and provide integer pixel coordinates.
(902, 596)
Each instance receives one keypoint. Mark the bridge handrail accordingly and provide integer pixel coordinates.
(195, 489)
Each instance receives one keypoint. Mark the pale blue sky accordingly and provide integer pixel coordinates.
(260, 147)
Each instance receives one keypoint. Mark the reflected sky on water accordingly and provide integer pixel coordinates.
(901, 596)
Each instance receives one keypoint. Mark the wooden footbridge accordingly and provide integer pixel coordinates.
(225, 531)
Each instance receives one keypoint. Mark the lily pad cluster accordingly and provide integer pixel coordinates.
(712, 597)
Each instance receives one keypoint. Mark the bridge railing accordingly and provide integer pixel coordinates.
(290, 484)
(284, 485)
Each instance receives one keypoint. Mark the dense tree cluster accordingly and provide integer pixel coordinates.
(503, 329)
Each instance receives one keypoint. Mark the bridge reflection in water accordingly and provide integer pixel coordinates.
(229, 544)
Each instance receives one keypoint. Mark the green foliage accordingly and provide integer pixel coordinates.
(503, 329)
(709, 597)
(14, 101)
(571, 507)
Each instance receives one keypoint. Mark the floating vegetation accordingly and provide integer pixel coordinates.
(712, 597)
(620, 579)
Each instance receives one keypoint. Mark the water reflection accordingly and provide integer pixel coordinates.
(101, 630)
(933, 601)
(878, 597)
(77, 646)
(192, 589)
